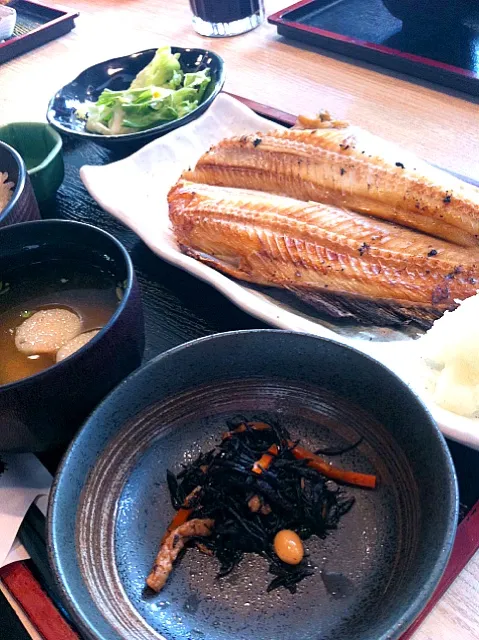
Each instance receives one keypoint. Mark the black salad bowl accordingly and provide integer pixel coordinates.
(117, 74)
(110, 503)
(43, 411)
(23, 205)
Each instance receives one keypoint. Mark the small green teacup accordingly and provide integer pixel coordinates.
(41, 149)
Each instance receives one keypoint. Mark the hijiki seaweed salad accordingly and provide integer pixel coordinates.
(257, 492)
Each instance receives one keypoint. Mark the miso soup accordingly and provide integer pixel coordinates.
(75, 299)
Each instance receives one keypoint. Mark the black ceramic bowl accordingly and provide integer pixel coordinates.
(110, 504)
(45, 409)
(23, 205)
(117, 74)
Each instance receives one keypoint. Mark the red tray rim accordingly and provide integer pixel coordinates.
(67, 14)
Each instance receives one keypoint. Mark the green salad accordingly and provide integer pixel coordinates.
(161, 92)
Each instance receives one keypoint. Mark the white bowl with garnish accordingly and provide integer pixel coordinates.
(8, 19)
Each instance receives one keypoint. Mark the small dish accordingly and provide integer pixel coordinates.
(117, 74)
(8, 19)
(41, 149)
(22, 205)
(43, 411)
(110, 504)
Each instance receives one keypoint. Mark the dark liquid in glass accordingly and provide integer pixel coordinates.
(224, 10)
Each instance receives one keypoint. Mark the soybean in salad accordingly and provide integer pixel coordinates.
(161, 92)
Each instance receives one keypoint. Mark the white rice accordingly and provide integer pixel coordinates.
(6, 190)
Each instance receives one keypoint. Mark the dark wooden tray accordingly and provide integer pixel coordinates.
(444, 52)
(36, 24)
(178, 307)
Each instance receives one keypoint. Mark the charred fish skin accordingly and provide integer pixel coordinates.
(379, 313)
(311, 248)
(348, 168)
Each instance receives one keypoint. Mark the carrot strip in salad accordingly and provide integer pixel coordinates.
(241, 428)
(180, 517)
(266, 459)
(349, 477)
(365, 480)
(183, 513)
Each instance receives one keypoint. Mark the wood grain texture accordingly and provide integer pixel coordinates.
(463, 552)
(457, 613)
(438, 124)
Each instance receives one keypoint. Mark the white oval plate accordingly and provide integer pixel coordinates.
(134, 191)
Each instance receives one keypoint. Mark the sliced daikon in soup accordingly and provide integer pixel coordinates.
(50, 310)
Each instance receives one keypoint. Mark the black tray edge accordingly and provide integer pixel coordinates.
(420, 67)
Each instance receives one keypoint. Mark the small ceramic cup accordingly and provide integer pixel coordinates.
(8, 19)
(41, 149)
(23, 205)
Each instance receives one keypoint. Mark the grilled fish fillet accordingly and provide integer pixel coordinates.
(348, 168)
(330, 257)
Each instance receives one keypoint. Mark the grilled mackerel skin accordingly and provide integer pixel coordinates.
(348, 168)
(342, 262)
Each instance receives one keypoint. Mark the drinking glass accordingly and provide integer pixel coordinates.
(221, 18)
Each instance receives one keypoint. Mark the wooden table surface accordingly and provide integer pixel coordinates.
(440, 125)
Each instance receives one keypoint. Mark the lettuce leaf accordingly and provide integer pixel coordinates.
(199, 81)
(165, 68)
(161, 92)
